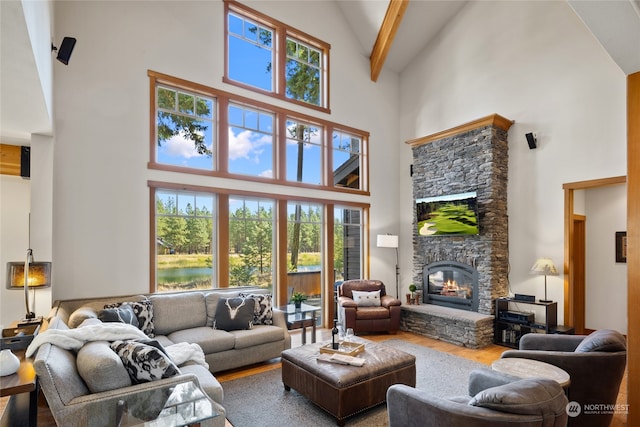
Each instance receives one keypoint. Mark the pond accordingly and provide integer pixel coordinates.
(184, 275)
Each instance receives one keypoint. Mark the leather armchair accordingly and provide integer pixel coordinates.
(595, 362)
(495, 400)
(383, 317)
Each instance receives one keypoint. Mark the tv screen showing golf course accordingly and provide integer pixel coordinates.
(453, 214)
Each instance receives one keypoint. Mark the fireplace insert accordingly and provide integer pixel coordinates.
(451, 284)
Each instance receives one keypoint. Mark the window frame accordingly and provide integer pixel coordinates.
(221, 235)
(222, 100)
(282, 32)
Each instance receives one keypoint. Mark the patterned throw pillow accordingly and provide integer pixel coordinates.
(144, 313)
(264, 308)
(366, 299)
(143, 362)
(234, 314)
(123, 314)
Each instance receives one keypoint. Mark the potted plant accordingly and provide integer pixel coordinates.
(412, 289)
(297, 298)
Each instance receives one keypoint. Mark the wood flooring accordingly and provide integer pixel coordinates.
(485, 355)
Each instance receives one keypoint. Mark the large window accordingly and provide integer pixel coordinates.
(184, 129)
(207, 131)
(273, 58)
(251, 242)
(184, 240)
(347, 236)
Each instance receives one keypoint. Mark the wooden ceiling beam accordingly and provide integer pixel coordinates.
(387, 33)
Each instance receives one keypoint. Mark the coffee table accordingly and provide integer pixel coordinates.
(344, 390)
(528, 368)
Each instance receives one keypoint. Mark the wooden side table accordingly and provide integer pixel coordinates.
(22, 389)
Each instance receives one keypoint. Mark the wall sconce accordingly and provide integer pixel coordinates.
(390, 241)
(38, 275)
(544, 266)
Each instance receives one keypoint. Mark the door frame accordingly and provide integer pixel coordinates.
(573, 305)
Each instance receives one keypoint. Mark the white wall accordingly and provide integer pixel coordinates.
(535, 63)
(101, 199)
(606, 280)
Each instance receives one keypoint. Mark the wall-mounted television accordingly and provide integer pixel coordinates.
(448, 215)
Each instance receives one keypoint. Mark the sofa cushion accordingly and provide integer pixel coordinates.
(143, 362)
(81, 314)
(210, 340)
(234, 313)
(211, 302)
(366, 299)
(260, 334)
(263, 314)
(144, 313)
(531, 396)
(174, 312)
(101, 368)
(123, 314)
(602, 340)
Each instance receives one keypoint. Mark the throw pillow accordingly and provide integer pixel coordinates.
(144, 313)
(122, 314)
(367, 299)
(143, 362)
(263, 314)
(531, 396)
(100, 368)
(602, 340)
(234, 314)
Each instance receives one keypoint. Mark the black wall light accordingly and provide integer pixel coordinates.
(531, 140)
(68, 43)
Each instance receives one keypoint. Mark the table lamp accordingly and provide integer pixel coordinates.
(544, 266)
(28, 274)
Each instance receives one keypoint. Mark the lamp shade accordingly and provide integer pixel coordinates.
(544, 266)
(387, 241)
(39, 275)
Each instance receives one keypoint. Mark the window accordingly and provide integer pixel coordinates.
(251, 141)
(251, 242)
(347, 159)
(250, 52)
(347, 238)
(207, 131)
(184, 129)
(184, 236)
(304, 152)
(271, 57)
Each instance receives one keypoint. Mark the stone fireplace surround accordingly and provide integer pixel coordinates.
(469, 157)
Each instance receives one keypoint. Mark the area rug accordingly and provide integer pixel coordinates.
(261, 401)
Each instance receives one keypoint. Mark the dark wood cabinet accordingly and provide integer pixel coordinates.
(514, 318)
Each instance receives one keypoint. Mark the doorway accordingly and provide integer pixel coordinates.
(574, 252)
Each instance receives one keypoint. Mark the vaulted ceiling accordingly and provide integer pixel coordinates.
(392, 44)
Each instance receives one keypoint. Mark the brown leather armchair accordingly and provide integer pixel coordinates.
(377, 317)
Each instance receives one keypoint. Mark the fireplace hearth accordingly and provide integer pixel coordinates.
(451, 284)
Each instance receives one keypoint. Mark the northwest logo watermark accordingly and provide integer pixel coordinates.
(574, 409)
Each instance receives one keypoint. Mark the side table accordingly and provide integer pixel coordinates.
(23, 389)
(528, 368)
(301, 318)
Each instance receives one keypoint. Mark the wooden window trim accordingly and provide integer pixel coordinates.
(281, 31)
(222, 100)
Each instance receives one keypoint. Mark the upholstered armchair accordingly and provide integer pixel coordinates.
(494, 400)
(595, 362)
(364, 306)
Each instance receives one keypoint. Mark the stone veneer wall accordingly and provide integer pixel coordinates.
(472, 157)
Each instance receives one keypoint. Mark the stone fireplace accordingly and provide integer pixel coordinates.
(470, 157)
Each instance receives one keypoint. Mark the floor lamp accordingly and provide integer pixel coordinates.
(391, 241)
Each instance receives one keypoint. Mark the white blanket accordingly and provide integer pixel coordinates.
(74, 339)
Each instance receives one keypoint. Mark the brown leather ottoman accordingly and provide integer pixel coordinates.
(344, 390)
